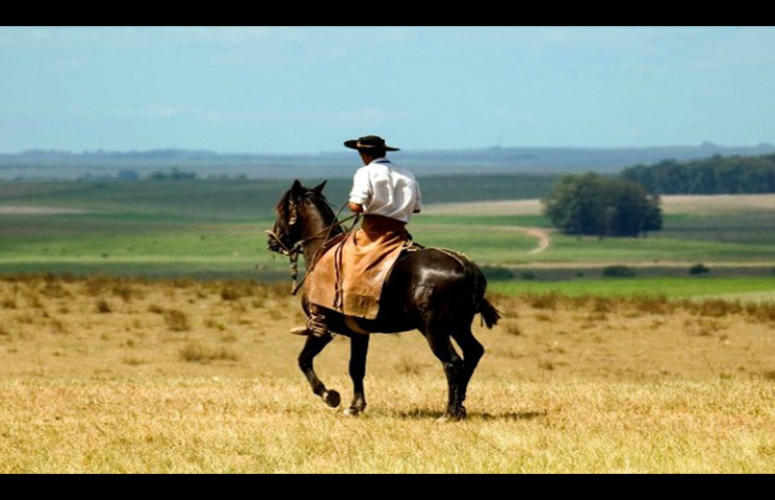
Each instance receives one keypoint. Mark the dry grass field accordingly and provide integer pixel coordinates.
(128, 375)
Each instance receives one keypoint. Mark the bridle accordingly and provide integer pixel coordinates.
(297, 248)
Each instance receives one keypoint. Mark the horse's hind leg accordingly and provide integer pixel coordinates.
(359, 346)
(453, 369)
(472, 353)
(312, 347)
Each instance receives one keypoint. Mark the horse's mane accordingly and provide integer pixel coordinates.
(317, 198)
(322, 204)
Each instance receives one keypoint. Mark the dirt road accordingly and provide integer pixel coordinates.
(544, 240)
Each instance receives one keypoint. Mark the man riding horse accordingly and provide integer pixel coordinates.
(376, 281)
(348, 276)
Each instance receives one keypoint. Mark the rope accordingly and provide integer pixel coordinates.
(317, 255)
(338, 292)
(297, 248)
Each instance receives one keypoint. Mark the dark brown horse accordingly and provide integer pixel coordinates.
(430, 290)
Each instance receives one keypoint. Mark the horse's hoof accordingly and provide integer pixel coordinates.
(352, 411)
(332, 398)
(453, 416)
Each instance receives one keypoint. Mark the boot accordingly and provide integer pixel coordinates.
(316, 324)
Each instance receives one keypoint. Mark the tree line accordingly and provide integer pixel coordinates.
(592, 204)
(715, 175)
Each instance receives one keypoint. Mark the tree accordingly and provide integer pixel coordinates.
(175, 175)
(653, 220)
(603, 206)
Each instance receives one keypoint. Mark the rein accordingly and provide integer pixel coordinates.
(298, 247)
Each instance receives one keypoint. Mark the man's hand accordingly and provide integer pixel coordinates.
(356, 207)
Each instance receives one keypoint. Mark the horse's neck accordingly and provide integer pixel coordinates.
(316, 227)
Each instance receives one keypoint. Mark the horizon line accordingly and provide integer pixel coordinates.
(708, 144)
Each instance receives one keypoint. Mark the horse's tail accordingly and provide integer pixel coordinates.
(490, 315)
(477, 285)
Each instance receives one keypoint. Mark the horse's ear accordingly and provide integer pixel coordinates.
(319, 188)
(296, 191)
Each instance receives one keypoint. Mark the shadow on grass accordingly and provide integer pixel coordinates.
(422, 414)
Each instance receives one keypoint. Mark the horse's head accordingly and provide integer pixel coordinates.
(293, 214)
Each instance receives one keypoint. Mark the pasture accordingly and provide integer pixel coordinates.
(157, 341)
(105, 374)
(214, 228)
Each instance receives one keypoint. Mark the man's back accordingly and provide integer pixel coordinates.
(386, 189)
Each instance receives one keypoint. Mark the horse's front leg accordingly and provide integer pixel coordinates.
(359, 346)
(312, 348)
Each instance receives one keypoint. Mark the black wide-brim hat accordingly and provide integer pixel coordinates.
(368, 142)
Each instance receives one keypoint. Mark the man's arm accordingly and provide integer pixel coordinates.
(361, 191)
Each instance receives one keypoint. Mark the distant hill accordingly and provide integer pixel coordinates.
(494, 160)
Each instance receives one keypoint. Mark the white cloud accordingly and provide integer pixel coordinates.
(369, 114)
(170, 111)
(360, 116)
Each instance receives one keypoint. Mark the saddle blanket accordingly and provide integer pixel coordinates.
(351, 269)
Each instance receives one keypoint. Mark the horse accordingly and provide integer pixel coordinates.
(435, 291)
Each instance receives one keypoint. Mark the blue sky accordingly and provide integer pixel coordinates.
(307, 89)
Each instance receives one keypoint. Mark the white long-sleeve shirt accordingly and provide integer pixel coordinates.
(386, 189)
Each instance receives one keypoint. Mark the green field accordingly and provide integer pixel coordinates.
(237, 198)
(126, 242)
(652, 249)
(669, 287)
(215, 228)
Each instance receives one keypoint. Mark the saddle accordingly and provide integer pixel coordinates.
(351, 268)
